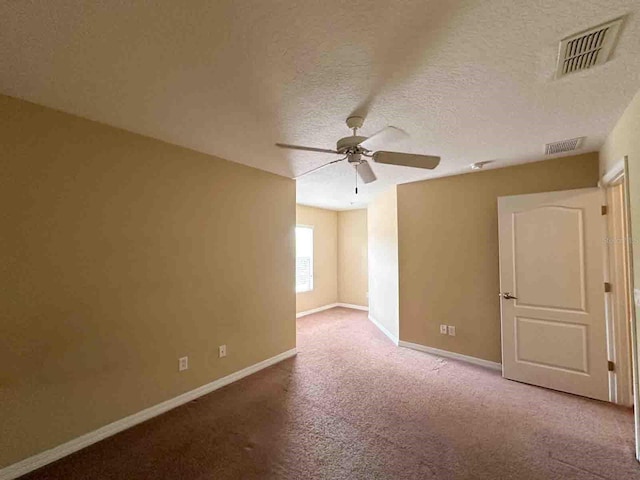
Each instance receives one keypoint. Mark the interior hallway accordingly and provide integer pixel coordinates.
(352, 405)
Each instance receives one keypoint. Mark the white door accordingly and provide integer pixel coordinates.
(552, 291)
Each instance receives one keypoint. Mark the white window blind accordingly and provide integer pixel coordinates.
(304, 259)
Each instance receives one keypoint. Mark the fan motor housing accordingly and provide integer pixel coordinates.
(349, 143)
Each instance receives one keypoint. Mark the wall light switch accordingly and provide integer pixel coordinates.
(183, 363)
(452, 330)
(443, 329)
(222, 351)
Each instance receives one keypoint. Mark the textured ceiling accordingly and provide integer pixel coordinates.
(468, 80)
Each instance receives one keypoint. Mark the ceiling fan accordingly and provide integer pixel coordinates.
(356, 149)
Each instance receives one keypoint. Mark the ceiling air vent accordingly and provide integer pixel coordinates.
(563, 146)
(586, 49)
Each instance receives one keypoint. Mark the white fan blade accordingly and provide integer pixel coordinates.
(306, 149)
(406, 159)
(384, 137)
(318, 168)
(365, 172)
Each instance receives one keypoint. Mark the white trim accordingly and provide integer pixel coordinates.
(608, 298)
(353, 306)
(41, 459)
(313, 310)
(615, 174)
(633, 313)
(329, 306)
(384, 330)
(455, 356)
(618, 302)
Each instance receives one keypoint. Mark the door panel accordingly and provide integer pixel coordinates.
(558, 345)
(549, 250)
(551, 261)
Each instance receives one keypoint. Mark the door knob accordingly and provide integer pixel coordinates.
(507, 296)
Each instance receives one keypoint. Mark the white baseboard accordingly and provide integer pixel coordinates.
(331, 305)
(316, 310)
(455, 356)
(383, 329)
(41, 459)
(353, 306)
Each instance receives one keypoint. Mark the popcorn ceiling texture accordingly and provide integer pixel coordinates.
(468, 80)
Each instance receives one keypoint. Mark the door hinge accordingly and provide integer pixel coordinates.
(611, 366)
(603, 210)
(607, 287)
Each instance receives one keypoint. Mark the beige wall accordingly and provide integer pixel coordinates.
(325, 257)
(120, 254)
(353, 282)
(624, 139)
(448, 250)
(339, 257)
(382, 225)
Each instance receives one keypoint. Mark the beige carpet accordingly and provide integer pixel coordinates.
(352, 405)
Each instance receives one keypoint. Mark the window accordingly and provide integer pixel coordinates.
(304, 259)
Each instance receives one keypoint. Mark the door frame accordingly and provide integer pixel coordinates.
(619, 335)
(618, 174)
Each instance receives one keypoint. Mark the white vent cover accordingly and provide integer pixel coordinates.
(586, 49)
(563, 146)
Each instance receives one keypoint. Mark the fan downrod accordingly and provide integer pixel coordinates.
(350, 145)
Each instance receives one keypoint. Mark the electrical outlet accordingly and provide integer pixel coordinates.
(183, 363)
(222, 351)
(452, 330)
(443, 329)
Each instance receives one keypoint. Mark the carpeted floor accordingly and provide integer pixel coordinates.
(352, 405)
